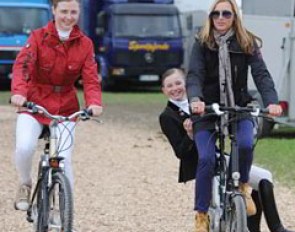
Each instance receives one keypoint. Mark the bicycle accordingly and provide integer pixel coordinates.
(51, 204)
(227, 211)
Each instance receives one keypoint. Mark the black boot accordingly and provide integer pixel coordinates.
(269, 207)
(253, 222)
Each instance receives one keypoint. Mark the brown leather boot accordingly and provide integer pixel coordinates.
(246, 190)
(201, 222)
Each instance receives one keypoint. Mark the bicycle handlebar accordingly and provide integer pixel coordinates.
(220, 110)
(83, 114)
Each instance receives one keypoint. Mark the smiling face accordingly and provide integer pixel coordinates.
(66, 14)
(222, 17)
(174, 86)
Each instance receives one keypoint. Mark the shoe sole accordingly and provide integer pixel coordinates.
(22, 206)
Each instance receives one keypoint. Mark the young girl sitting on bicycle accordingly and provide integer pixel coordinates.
(45, 72)
(176, 125)
(218, 73)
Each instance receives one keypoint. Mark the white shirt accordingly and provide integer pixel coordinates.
(183, 105)
(63, 35)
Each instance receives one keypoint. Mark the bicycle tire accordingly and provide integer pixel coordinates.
(60, 191)
(42, 208)
(237, 215)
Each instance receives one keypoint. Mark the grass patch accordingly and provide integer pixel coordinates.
(112, 98)
(130, 98)
(277, 155)
(4, 97)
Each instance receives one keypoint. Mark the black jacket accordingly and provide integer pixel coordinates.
(171, 122)
(203, 77)
(203, 74)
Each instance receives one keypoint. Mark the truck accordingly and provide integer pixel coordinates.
(17, 19)
(135, 40)
(275, 25)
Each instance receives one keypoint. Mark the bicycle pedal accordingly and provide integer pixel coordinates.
(30, 219)
(29, 216)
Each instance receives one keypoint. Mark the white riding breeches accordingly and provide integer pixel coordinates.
(28, 130)
(257, 174)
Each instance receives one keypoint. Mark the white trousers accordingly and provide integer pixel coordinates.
(28, 130)
(257, 174)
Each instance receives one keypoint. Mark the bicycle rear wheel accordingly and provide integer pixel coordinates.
(60, 210)
(237, 216)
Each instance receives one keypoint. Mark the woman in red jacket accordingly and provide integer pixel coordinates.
(45, 71)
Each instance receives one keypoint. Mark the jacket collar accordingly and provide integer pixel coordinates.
(233, 45)
(50, 29)
(176, 109)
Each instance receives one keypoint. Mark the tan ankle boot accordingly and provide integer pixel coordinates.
(246, 190)
(201, 222)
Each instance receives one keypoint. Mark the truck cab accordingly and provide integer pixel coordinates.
(136, 41)
(275, 25)
(17, 19)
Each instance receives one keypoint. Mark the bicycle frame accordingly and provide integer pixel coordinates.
(225, 184)
(50, 162)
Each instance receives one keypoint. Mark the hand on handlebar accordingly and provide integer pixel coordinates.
(275, 110)
(95, 109)
(198, 107)
(18, 100)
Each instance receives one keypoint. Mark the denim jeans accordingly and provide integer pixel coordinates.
(205, 141)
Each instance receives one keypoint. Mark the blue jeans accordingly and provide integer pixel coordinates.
(205, 141)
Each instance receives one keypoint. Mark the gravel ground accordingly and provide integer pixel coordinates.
(125, 177)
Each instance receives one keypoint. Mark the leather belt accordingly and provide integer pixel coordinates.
(56, 88)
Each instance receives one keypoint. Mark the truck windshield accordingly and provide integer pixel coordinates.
(14, 20)
(146, 26)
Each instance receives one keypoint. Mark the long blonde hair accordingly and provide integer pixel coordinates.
(245, 38)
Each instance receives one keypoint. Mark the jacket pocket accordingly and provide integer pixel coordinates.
(44, 69)
(73, 69)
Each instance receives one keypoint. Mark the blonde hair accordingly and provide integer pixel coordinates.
(55, 2)
(245, 38)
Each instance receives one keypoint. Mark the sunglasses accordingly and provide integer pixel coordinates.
(223, 14)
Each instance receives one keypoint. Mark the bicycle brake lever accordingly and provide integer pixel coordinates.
(216, 109)
(97, 120)
(256, 112)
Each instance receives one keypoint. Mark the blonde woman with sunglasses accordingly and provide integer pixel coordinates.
(218, 70)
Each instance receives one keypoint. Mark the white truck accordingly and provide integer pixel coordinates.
(274, 22)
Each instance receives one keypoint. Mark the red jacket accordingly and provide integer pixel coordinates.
(46, 69)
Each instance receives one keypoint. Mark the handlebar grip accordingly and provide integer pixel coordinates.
(29, 105)
(208, 108)
(264, 110)
(89, 112)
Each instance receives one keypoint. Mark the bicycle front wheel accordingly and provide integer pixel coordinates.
(60, 215)
(237, 215)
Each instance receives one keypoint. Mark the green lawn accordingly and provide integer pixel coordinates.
(276, 153)
(111, 98)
